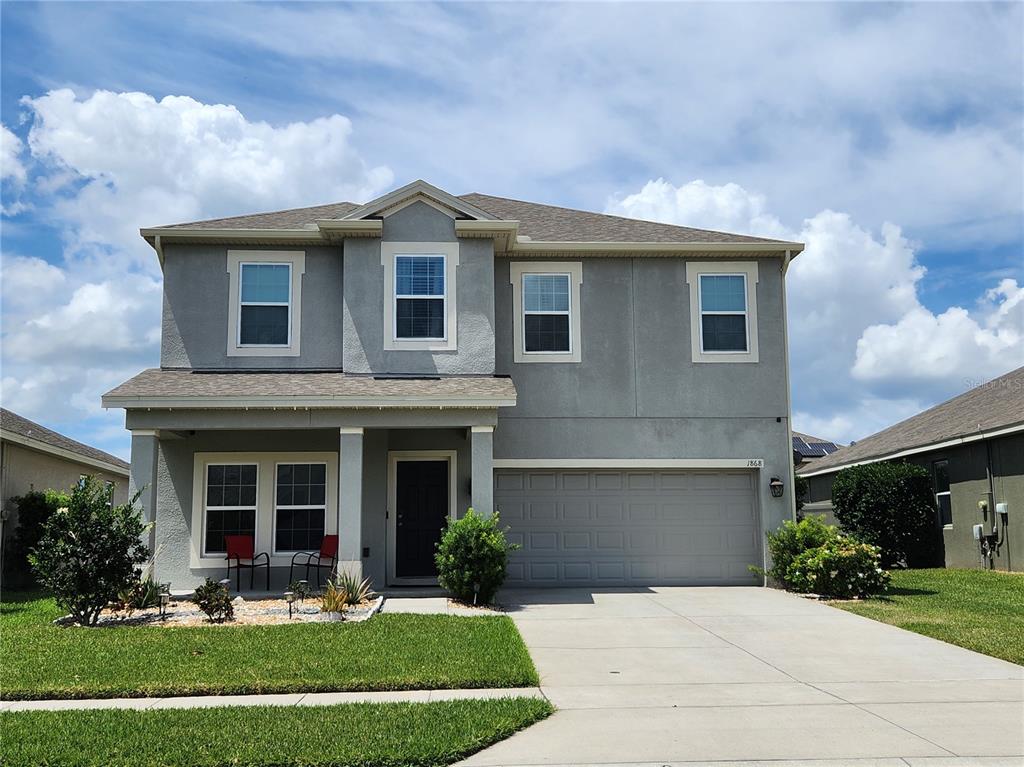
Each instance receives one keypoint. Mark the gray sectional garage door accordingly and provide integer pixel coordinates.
(629, 527)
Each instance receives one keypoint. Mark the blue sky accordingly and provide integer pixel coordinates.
(886, 136)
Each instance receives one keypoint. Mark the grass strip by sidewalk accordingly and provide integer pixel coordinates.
(981, 610)
(389, 652)
(353, 734)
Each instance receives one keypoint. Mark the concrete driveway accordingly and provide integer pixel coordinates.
(721, 675)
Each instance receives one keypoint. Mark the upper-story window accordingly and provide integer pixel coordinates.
(419, 297)
(546, 301)
(266, 298)
(265, 310)
(943, 498)
(420, 293)
(723, 310)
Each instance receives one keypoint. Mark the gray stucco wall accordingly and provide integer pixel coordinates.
(365, 301)
(968, 475)
(195, 310)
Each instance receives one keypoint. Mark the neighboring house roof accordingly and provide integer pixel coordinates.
(809, 447)
(982, 412)
(200, 389)
(15, 428)
(547, 223)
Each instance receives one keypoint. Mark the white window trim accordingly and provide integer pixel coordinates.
(278, 507)
(207, 508)
(694, 271)
(266, 498)
(296, 261)
(389, 251)
(574, 269)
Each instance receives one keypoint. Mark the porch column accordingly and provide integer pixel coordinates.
(482, 476)
(350, 501)
(142, 476)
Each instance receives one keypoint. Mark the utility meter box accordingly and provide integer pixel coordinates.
(979, 532)
(1002, 508)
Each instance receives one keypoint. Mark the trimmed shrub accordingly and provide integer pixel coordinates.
(90, 551)
(889, 505)
(214, 599)
(472, 557)
(792, 540)
(801, 487)
(34, 511)
(842, 568)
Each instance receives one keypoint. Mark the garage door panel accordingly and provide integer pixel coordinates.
(629, 527)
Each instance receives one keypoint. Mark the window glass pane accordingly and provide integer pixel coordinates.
(722, 293)
(231, 485)
(299, 484)
(299, 529)
(941, 471)
(546, 292)
(266, 283)
(264, 325)
(724, 332)
(945, 509)
(228, 522)
(546, 332)
(419, 318)
(419, 276)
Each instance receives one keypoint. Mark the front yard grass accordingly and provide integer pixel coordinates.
(387, 652)
(981, 610)
(353, 734)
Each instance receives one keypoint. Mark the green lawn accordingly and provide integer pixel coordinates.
(388, 652)
(978, 609)
(353, 735)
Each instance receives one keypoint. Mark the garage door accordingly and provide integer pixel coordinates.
(629, 527)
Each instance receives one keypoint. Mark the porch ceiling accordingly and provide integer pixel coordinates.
(156, 388)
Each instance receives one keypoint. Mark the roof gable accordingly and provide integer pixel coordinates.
(418, 191)
(18, 429)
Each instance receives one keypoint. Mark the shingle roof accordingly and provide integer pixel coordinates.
(993, 405)
(12, 423)
(536, 221)
(308, 389)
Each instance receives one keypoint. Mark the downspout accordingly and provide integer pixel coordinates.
(789, 394)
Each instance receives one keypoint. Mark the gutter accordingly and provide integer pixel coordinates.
(304, 403)
(979, 436)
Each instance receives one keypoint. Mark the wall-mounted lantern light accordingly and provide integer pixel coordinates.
(776, 486)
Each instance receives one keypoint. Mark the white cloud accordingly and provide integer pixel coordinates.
(860, 338)
(107, 164)
(12, 170)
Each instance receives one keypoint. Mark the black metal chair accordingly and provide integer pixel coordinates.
(324, 559)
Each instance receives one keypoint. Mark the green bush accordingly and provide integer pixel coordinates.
(90, 550)
(889, 505)
(472, 557)
(34, 510)
(139, 594)
(842, 568)
(791, 541)
(214, 599)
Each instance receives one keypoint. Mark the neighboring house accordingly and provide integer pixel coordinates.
(807, 449)
(616, 388)
(973, 446)
(33, 457)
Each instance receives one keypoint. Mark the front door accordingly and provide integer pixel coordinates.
(421, 509)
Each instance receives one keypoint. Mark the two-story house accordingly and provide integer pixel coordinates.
(617, 389)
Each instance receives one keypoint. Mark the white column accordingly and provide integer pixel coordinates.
(350, 500)
(482, 471)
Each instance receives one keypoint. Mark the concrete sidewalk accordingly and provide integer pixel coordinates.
(296, 699)
(668, 676)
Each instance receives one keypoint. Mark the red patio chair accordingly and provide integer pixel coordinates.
(240, 548)
(321, 560)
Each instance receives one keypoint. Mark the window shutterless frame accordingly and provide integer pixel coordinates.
(567, 313)
(243, 303)
(286, 507)
(396, 297)
(732, 313)
(207, 507)
(518, 272)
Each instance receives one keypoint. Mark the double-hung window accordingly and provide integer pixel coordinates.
(940, 471)
(546, 314)
(420, 297)
(723, 313)
(230, 504)
(264, 317)
(723, 310)
(300, 511)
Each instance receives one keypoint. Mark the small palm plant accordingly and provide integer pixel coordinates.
(356, 591)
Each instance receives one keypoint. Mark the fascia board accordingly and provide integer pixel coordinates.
(289, 403)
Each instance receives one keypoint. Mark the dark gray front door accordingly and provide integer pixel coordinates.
(421, 508)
